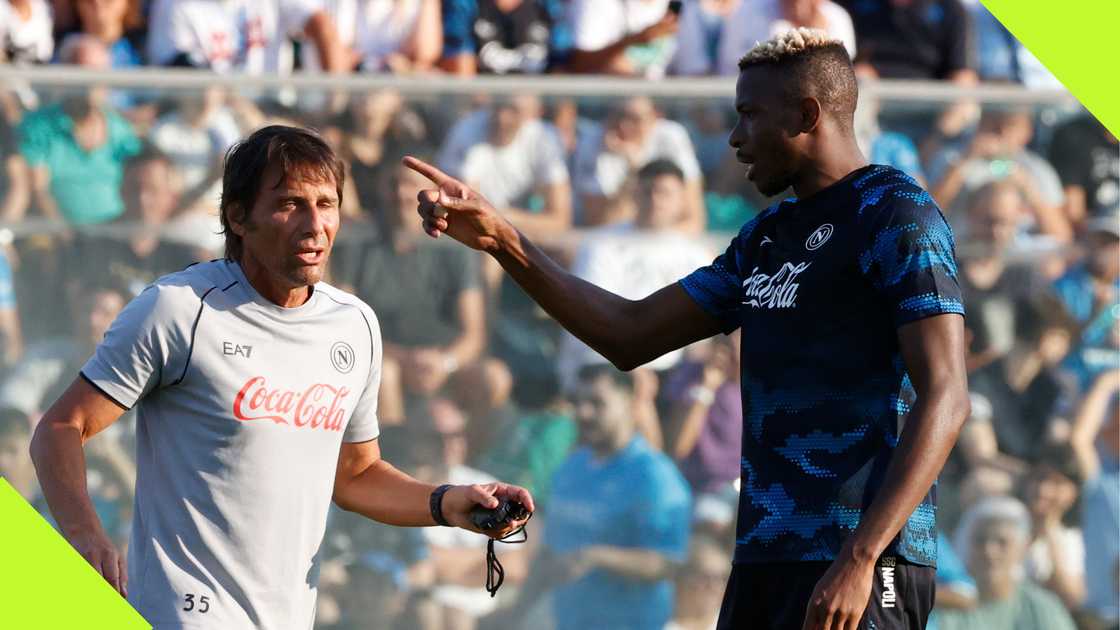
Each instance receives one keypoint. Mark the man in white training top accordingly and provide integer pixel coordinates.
(256, 391)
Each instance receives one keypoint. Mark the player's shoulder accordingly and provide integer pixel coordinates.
(883, 191)
(190, 285)
(348, 303)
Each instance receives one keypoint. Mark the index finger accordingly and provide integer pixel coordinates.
(436, 176)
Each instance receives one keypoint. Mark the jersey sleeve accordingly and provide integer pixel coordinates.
(717, 288)
(363, 425)
(147, 346)
(909, 258)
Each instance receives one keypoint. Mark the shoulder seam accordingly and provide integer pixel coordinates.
(194, 330)
(364, 319)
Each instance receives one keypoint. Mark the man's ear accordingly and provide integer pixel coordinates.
(811, 113)
(233, 213)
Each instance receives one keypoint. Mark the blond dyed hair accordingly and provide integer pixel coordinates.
(788, 44)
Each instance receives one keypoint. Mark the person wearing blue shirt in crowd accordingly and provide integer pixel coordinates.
(852, 369)
(504, 36)
(619, 520)
(1090, 291)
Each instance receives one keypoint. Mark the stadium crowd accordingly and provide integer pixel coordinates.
(105, 189)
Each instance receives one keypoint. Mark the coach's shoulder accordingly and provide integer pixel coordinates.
(350, 302)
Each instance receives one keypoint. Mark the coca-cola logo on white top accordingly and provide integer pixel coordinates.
(317, 407)
(763, 290)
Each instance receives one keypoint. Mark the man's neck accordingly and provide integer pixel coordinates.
(271, 287)
(834, 161)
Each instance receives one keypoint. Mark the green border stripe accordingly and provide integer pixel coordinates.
(1077, 42)
(45, 584)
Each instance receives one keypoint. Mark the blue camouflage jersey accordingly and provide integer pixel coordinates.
(819, 287)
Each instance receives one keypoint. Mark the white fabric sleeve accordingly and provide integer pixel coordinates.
(549, 166)
(363, 425)
(597, 24)
(681, 150)
(147, 346)
(292, 16)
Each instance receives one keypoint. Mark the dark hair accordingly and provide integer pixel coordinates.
(596, 371)
(657, 168)
(823, 72)
(1059, 457)
(292, 149)
(148, 153)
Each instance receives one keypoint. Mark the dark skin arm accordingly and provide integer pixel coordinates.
(933, 350)
(629, 333)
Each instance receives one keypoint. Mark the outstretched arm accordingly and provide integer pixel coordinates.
(629, 333)
(368, 485)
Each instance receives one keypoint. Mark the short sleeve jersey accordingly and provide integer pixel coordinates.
(819, 287)
(242, 408)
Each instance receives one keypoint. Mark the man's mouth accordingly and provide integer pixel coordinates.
(311, 256)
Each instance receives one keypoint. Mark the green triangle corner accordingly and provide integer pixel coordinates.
(45, 584)
(1077, 43)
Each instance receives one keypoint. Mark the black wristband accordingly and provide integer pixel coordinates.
(435, 504)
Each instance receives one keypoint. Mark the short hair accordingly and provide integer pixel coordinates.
(657, 168)
(1061, 458)
(293, 149)
(595, 371)
(148, 153)
(1002, 509)
(813, 64)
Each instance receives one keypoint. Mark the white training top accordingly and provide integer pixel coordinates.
(243, 406)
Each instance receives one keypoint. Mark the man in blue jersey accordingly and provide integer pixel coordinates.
(853, 377)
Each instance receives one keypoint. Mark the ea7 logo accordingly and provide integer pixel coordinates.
(819, 237)
(342, 357)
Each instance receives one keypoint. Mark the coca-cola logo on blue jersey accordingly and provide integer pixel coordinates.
(779, 290)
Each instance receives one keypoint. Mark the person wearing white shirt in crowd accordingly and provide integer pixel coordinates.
(250, 36)
(635, 259)
(396, 36)
(633, 136)
(519, 165)
(1056, 554)
(759, 20)
(25, 31)
(628, 37)
(703, 25)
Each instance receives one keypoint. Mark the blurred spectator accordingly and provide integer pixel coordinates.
(703, 29)
(117, 24)
(1056, 554)
(15, 463)
(955, 587)
(699, 584)
(77, 148)
(459, 556)
(195, 136)
(383, 35)
(634, 260)
(378, 124)
(138, 248)
(759, 20)
(619, 522)
(1095, 438)
(1090, 290)
(1087, 157)
(997, 151)
(243, 35)
(891, 148)
(993, 537)
(518, 165)
(375, 596)
(704, 428)
(427, 295)
(912, 39)
(11, 335)
(1001, 57)
(628, 37)
(607, 164)
(731, 200)
(504, 36)
(25, 31)
(49, 366)
(996, 286)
